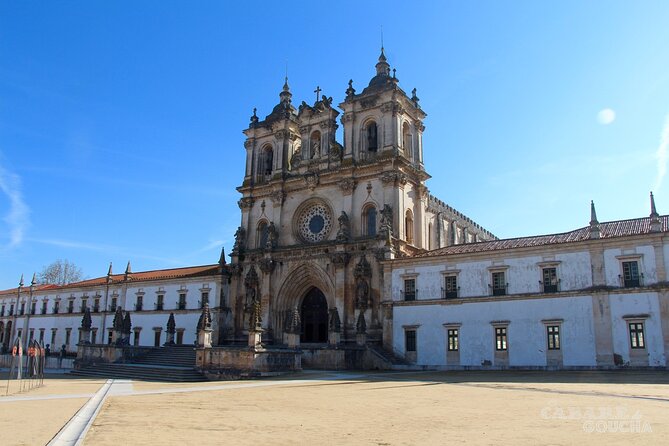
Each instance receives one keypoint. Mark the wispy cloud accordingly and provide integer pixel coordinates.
(17, 218)
(662, 155)
(104, 248)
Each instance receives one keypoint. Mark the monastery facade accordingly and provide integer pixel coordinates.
(342, 248)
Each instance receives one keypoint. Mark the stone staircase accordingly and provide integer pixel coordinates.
(394, 361)
(171, 364)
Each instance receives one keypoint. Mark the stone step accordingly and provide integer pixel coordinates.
(145, 372)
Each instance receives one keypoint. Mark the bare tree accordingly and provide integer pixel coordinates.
(60, 272)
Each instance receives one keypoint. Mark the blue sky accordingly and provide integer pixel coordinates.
(120, 122)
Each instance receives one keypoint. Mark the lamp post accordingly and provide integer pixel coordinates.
(103, 325)
(16, 309)
(26, 321)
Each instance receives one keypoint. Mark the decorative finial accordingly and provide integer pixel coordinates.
(394, 76)
(128, 270)
(318, 93)
(285, 84)
(594, 223)
(653, 210)
(21, 282)
(655, 224)
(593, 214)
(221, 260)
(350, 91)
(34, 281)
(109, 272)
(254, 118)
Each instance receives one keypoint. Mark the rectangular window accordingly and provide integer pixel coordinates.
(553, 333)
(159, 302)
(550, 281)
(450, 287)
(156, 338)
(140, 303)
(94, 336)
(70, 306)
(500, 338)
(41, 334)
(23, 309)
(84, 304)
(96, 305)
(182, 301)
(53, 336)
(56, 307)
(636, 335)
(135, 340)
(31, 335)
(205, 298)
(33, 308)
(11, 309)
(112, 307)
(44, 303)
(453, 344)
(631, 274)
(410, 340)
(68, 336)
(498, 283)
(410, 289)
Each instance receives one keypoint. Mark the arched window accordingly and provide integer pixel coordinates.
(369, 220)
(408, 226)
(267, 160)
(316, 144)
(406, 141)
(372, 137)
(261, 234)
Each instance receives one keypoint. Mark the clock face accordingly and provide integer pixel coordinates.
(314, 223)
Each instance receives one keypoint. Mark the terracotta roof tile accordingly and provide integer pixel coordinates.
(141, 276)
(620, 228)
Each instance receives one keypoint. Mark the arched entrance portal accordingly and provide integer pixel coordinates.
(314, 313)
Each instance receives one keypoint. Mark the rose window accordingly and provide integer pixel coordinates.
(314, 223)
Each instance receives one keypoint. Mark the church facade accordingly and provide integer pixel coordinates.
(341, 247)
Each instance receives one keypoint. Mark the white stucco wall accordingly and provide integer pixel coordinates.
(526, 332)
(634, 304)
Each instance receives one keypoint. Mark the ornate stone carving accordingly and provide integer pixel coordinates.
(340, 259)
(347, 185)
(361, 293)
(347, 117)
(387, 177)
(311, 180)
(361, 325)
(235, 269)
(278, 197)
(272, 237)
(246, 203)
(386, 221)
(387, 107)
(294, 322)
(255, 320)
(266, 265)
(240, 241)
(204, 322)
(365, 103)
(334, 323)
(350, 91)
(249, 143)
(296, 159)
(363, 268)
(380, 254)
(344, 232)
(281, 134)
(335, 151)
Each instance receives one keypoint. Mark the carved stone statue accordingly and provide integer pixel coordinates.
(240, 237)
(344, 232)
(316, 148)
(362, 294)
(272, 237)
(386, 221)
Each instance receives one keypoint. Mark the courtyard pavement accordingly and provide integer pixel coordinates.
(321, 407)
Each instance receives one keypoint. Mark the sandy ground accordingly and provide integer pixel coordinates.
(487, 408)
(30, 418)
(390, 409)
